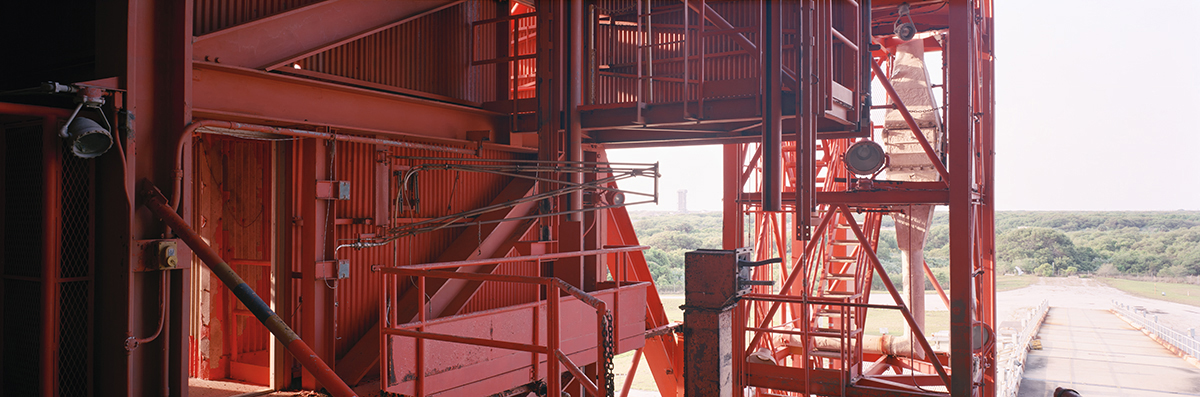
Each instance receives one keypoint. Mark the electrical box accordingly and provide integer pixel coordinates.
(166, 254)
(155, 255)
(333, 270)
(333, 190)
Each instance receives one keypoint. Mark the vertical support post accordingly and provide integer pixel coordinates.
(959, 133)
(316, 297)
(772, 139)
(421, 309)
(709, 356)
(553, 373)
(987, 216)
(51, 244)
(549, 97)
(806, 127)
(731, 231)
(601, 385)
(503, 69)
(575, 95)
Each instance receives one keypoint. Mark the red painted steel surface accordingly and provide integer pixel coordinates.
(214, 15)
(448, 76)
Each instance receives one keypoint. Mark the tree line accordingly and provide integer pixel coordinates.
(1059, 243)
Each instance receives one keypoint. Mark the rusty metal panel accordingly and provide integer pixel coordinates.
(213, 15)
(430, 54)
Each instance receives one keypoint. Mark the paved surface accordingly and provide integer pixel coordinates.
(1098, 354)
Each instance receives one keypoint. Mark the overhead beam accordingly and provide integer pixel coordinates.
(276, 39)
(226, 89)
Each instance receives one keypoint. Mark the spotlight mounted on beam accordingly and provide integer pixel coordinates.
(87, 139)
(904, 30)
(865, 158)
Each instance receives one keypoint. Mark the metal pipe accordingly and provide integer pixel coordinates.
(193, 127)
(165, 390)
(574, 130)
(132, 342)
(157, 204)
(530, 258)
(772, 138)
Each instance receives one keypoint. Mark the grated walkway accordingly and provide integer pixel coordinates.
(1098, 354)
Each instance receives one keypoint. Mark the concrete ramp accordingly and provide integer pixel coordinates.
(1098, 354)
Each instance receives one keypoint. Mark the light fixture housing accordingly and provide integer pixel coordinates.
(87, 138)
(865, 158)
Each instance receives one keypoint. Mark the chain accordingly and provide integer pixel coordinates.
(607, 333)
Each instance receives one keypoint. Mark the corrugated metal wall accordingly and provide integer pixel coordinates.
(441, 193)
(213, 15)
(429, 54)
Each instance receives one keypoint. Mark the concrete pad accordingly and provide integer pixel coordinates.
(1098, 354)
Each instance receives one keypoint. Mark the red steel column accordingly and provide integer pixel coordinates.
(772, 138)
(731, 231)
(987, 216)
(316, 298)
(960, 135)
(51, 247)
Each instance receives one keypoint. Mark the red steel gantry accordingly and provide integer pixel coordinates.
(419, 194)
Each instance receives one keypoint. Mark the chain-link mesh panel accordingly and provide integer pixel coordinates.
(23, 203)
(74, 355)
(22, 337)
(75, 331)
(76, 216)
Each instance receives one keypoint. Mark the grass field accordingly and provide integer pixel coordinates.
(643, 379)
(1008, 283)
(1188, 294)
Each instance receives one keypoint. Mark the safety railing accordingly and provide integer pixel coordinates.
(1014, 347)
(1185, 343)
(550, 287)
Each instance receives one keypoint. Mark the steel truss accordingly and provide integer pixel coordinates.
(811, 322)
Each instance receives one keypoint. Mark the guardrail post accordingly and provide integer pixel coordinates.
(553, 373)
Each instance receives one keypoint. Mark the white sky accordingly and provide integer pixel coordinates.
(1096, 105)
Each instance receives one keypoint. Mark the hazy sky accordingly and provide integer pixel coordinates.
(1096, 105)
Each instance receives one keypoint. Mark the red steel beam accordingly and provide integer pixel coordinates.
(275, 39)
(526, 258)
(220, 90)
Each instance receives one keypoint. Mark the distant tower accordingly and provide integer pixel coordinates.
(682, 200)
